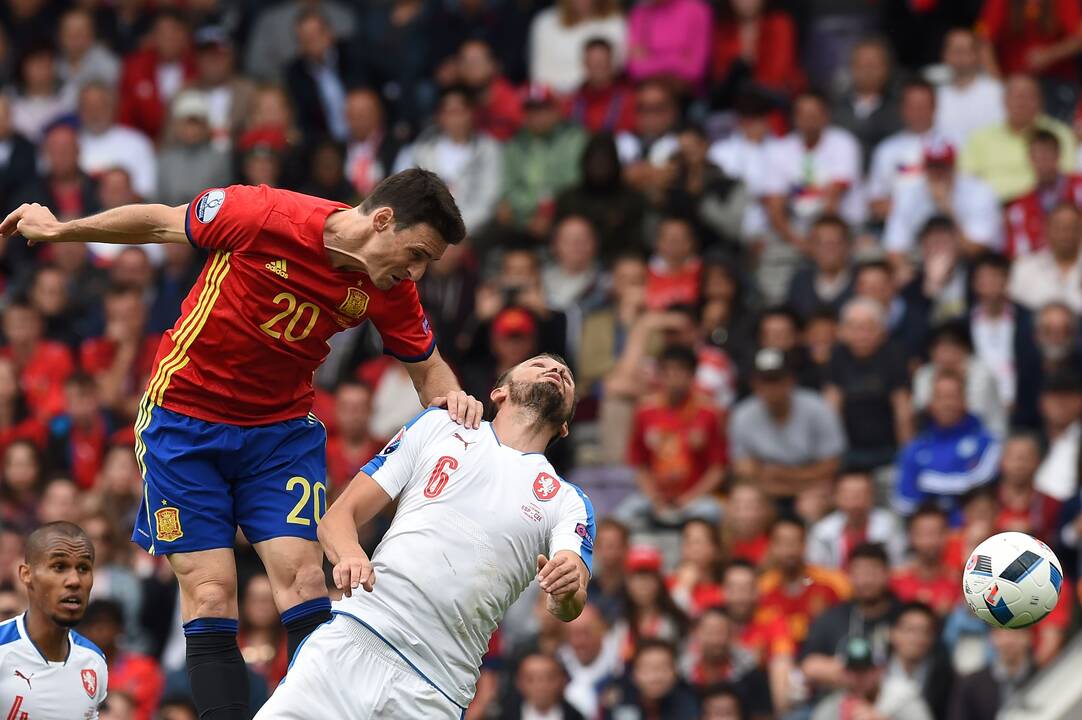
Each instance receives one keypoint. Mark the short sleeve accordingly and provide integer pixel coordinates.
(739, 448)
(831, 441)
(393, 467)
(576, 528)
(638, 454)
(226, 218)
(982, 222)
(401, 321)
(843, 166)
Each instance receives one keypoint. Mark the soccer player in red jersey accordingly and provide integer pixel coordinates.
(224, 434)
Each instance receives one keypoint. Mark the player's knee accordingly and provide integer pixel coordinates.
(309, 582)
(212, 599)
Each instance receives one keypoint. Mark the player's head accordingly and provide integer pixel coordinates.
(58, 572)
(413, 219)
(544, 386)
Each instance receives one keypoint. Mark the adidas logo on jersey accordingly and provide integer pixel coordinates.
(278, 267)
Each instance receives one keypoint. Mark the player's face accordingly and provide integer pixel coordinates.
(546, 385)
(394, 255)
(59, 582)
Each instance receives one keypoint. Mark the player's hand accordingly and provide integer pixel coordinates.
(354, 571)
(34, 222)
(558, 577)
(464, 409)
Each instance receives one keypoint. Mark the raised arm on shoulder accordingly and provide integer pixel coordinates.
(125, 225)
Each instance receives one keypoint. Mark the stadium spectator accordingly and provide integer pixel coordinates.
(261, 638)
(652, 687)
(917, 655)
(16, 420)
(318, 77)
(869, 616)
(997, 154)
(273, 38)
(114, 579)
(925, 578)
(783, 438)
(672, 276)
(867, 386)
(541, 681)
(649, 611)
(1021, 507)
(60, 502)
(39, 100)
(950, 348)
(855, 520)
(646, 151)
(132, 673)
(695, 584)
(980, 695)
(970, 100)
(20, 486)
(607, 588)
(152, 76)
(937, 291)
(677, 448)
(229, 94)
(870, 107)
(1026, 216)
(720, 702)
(953, 455)
(714, 656)
(63, 186)
(43, 365)
(670, 38)
(175, 707)
(943, 191)
(48, 294)
(122, 359)
(560, 35)
(745, 534)
(603, 101)
(351, 444)
(191, 162)
(754, 43)
(714, 202)
(326, 175)
(470, 163)
(513, 337)
(898, 160)
(828, 281)
(869, 691)
(82, 57)
(590, 654)
(793, 590)
(370, 150)
(1053, 274)
(17, 163)
(499, 106)
(263, 155)
(1061, 408)
(104, 144)
(573, 279)
(78, 437)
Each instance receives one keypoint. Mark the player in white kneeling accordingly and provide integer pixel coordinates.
(481, 514)
(47, 670)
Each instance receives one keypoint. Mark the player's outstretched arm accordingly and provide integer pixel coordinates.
(125, 225)
(564, 578)
(337, 532)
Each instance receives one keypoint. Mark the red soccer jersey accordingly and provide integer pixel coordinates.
(767, 636)
(821, 589)
(42, 377)
(255, 326)
(1025, 217)
(940, 593)
(1015, 38)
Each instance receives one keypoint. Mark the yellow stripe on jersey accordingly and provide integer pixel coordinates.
(190, 328)
(142, 422)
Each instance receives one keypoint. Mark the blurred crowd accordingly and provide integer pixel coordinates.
(817, 265)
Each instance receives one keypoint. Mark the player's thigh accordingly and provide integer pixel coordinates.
(411, 697)
(186, 505)
(280, 480)
(295, 569)
(208, 583)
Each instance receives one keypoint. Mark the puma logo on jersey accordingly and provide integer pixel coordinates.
(465, 443)
(18, 673)
(278, 267)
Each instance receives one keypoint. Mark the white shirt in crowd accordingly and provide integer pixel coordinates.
(898, 161)
(824, 549)
(1037, 280)
(973, 202)
(556, 50)
(631, 149)
(123, 147)
(1057, 476)
(473, 515)
(961, 111)
(993, 343)
(584, 687)
(746, 161)
(804, 174)
(35, 688)
(529, 712)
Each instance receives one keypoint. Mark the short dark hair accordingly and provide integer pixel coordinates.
(791, 520)
(1041, 136)
(937, 223)
(103, 610)
(927, 509)
(311, 13)
(81, 380)
(681, 355)
(875, 264)
(723, 690)
(597, 43)
(953, 331)
(785, 311)
(919, 84)
(915, 606)
(870, 551)
(993, 260)
(458, 90)
(35, 543)
(741, 564)
(419, 197)
(506, 374)
(645, 645)
(833, 220)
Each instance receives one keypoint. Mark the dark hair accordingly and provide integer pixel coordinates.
(81, 380)
(120, 289)
(741, 563)
(647, 644)
(833, 220)
(419, 197)
(927, 509)
(919, 84)
(981, 492)
(785, 311)
(915, 606)
(937, 223)
(719, 610)
(458, 90)
(723, 690)
(819, 97)
(35, 542)
(1041, 136)
(876, 264)
(311, 13)
(681, 355)
(616, 525)
(994, 260)
(596, 43)
(791, 520)
(821, 312)
(870, 551)
(752, 103)
(954, 331)
(505, 376)
(107, 610)
(945, 374)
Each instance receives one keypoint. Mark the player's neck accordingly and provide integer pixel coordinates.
(344, 236)
(520, 430)
(50, 639)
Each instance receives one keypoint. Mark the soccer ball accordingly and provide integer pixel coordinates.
(1012, 580)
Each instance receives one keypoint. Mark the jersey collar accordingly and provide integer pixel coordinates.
(20, 622)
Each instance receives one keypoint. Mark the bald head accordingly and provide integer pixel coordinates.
(57, 536)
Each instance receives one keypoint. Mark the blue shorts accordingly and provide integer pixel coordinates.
(202, 480)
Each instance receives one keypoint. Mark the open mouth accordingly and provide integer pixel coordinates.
(71, 602)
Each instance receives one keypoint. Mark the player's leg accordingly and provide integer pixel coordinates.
(279, 495)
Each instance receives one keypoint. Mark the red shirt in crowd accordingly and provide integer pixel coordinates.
(666, 287)
(254, 328)
(30, 429)
(1015, 37)
(138, 676)
(96, 356)
(677, 445)
(610, 109)
(775, 63)
(767, 636)
(342, 464)
(500, 114)
(42, 377)
(141, 103)
(1039, 518)
(821, 589)
(751, 549)
(941, 593)
(1025, 216)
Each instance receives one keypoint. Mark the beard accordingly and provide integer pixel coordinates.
(544, 399)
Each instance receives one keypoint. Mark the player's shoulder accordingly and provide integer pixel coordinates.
(82, 646)
(9, 633)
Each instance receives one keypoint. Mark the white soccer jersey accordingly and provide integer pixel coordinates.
(33, 688)
(473, 515)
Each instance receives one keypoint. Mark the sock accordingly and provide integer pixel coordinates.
(301, 620)
(216, 669)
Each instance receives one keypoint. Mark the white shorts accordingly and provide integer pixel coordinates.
(345, 671)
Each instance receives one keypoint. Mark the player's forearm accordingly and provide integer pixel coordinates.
(432, 378)
(337, 534)
(127, 225)
(567, 607)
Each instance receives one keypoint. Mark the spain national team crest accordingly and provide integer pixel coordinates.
(90, 682)
(355, 304)
(545, 487)
(168, 521)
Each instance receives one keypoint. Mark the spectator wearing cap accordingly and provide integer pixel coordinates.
(855, 520)
(783, 438)
(670, 38)
(677, 448)
(273, 37)
(17, 166)
(981, 695)
(869, 693)
(828, 281)
(1053, 274)
(153, 75)
(652, 687)
(943, 191)
(539, 161)
(560, 34)
(191, 162)
(899, 159)
(955, 454)
(229, 95)
(513, 337)
(82, 58)
(105, 144)
(1027, 216)
(951, 348)
(998, 153)
(972, 99)
(645, 152)
(317, 79)
(603, 101)
(650, 613)
(469, 162)
(869, 109)
(499, 106)
(1061, 409)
